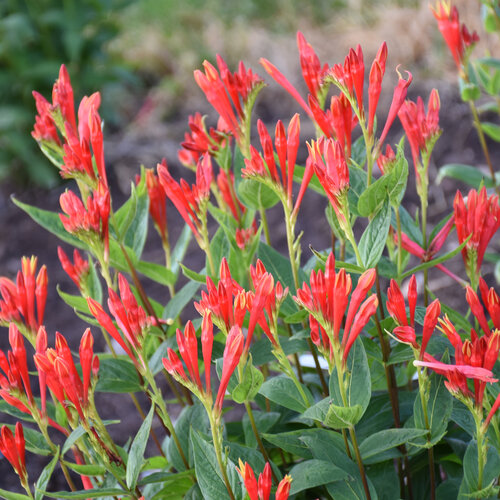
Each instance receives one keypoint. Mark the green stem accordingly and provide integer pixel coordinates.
(482, 141)
(422, 384)
(217, 440)
(265, 225)
(481, 446)
(262, 449)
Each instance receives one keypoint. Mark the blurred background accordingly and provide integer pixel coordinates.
(141, 55)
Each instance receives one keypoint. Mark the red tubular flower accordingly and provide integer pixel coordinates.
(89, 223)
(421, 129)
(262, 489)
(430, 321)
(477, 309)
(24, 302)
(396, 304)
(284, 488)
(13, 448)
(492, 412)
(312, 71)
(199, 141)
(457, 37)
(478, 218)
(230, 360)
(386, 161)
(228, 92)
(280, 78)
(286, 146)
(105, 321)
(62, 97)
(398, 99)
(491, 301)
(190, 202)
(327, 299)
(249, 480)
(223, 302)
(62, 376)
(475, 359)
(225, 183)
(78, 271)
(44, 128)
(330, 165)
(157, 203)
(377, 72)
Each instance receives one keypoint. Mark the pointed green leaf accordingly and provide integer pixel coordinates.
(136, 455)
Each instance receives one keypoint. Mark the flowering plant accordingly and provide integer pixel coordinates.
(340, 376)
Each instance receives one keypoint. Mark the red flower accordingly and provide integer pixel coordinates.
(478, 218)
(327, 299)
(45, 129)
(286, 150)
(457, 37)
(157, 202)
(90, 222)
(405, 332)
(262, 489)
(422, 130)
(13, 448)
(312, 71)
(191, 202)
(228, 92)
(491, 301)
(377, 72)
(398, 99)
(225, 183)
(62, 376)
(199, 141)
(78, 271)
(386, 161)
(330, 165)
(23, 302)
(226, 302)
(478, 355)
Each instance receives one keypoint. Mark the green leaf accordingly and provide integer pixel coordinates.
(357, 186)
(342, 417)
(372, 199)
(398, 177)
(465, 173)
(87, 469)
(72, 439)
(208, 473)
(219, 248)
(249, 384)
(137, 448)
(256, 195)
(156, 272)
(291, 442)
(177, 303)
(373, 240)
(439, 408)
(95, 493)
(9, 495)
(385, 440)
(313, 473)
(77, 302)
(491, 130)
(468, 91)
(193, 275)
(180, 248)
(283, 391)
(117, 375)
(194, 417)
(264, 422)
(45, 476)
(51, 222)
